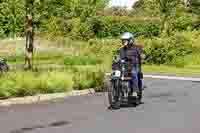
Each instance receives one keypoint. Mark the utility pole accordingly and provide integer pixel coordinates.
(29, 33)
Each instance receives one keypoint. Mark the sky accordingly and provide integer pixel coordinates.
(122, 3)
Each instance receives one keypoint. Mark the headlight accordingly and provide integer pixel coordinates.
(116, 73)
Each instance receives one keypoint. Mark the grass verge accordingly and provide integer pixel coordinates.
(190, 70)
(20, 83)
(17, 84)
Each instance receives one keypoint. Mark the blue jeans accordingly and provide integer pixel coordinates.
(135, 78)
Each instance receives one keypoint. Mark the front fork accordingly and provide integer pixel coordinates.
(125, 89)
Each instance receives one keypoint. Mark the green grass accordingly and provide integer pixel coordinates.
(28, 83)
(188, 70)
(16, 84)
(84, 66)
(88, 79)
(82, 60)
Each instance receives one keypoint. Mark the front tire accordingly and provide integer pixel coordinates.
(114, 94)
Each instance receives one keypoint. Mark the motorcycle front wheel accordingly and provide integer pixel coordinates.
(114, 94)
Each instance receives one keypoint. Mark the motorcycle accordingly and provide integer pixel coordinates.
(120, 90)
(3, 66)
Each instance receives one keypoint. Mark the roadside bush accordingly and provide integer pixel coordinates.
(178, 62)
(99, 27)
(80, 30)
(105, 26)
(183, 22)
(167, 50)
(88, 79)
(111, 26)
(194, 36)
(135, 25)
(31, 83)
(6, 86)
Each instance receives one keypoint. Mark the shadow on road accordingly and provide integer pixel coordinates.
(54, 124)
(125, 106)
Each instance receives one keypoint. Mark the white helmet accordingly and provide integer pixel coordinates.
(127, 36)
(127, 39)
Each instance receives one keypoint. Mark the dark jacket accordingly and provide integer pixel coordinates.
(130, 54)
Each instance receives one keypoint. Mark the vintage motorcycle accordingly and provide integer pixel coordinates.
(120, 90)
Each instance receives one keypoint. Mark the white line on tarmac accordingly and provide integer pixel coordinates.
(172, 78)
(169, 77)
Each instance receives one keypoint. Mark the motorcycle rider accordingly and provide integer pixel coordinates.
(130, 52)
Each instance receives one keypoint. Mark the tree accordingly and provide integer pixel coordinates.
(195, 6)
(50, 16)
(147, 8)
(9, 15)
(167, 12)
(113, 11)
(87, 8)
(29, 33)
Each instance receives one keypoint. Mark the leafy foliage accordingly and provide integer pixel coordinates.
(19, 84)
(195, 6)
(85, 19)
(166, 50)
(147, 8)
(50, 16)
(88, 79)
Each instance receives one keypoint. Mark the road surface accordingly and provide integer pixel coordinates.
(169, 107)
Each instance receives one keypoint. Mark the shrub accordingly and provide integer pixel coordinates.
(166, 50)
(183, 22)
(88, 79)
(114, 26)
(6, 86)
(32, 83)
(99, 27)
(80, 30)
(178, 62)
(111, 26)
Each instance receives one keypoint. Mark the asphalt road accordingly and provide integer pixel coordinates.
(169, 107)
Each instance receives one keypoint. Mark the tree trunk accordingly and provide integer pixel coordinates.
(29, 32)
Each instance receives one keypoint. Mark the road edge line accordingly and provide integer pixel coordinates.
(169, 77)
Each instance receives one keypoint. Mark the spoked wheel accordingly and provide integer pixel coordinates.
(114, 95)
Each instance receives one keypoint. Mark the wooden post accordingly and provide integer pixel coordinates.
(29, 33)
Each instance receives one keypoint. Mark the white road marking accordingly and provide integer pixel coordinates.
(169, 77)
(172, 77)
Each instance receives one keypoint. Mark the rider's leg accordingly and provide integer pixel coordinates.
(135, 78)
(140, 84)
(139, 81)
